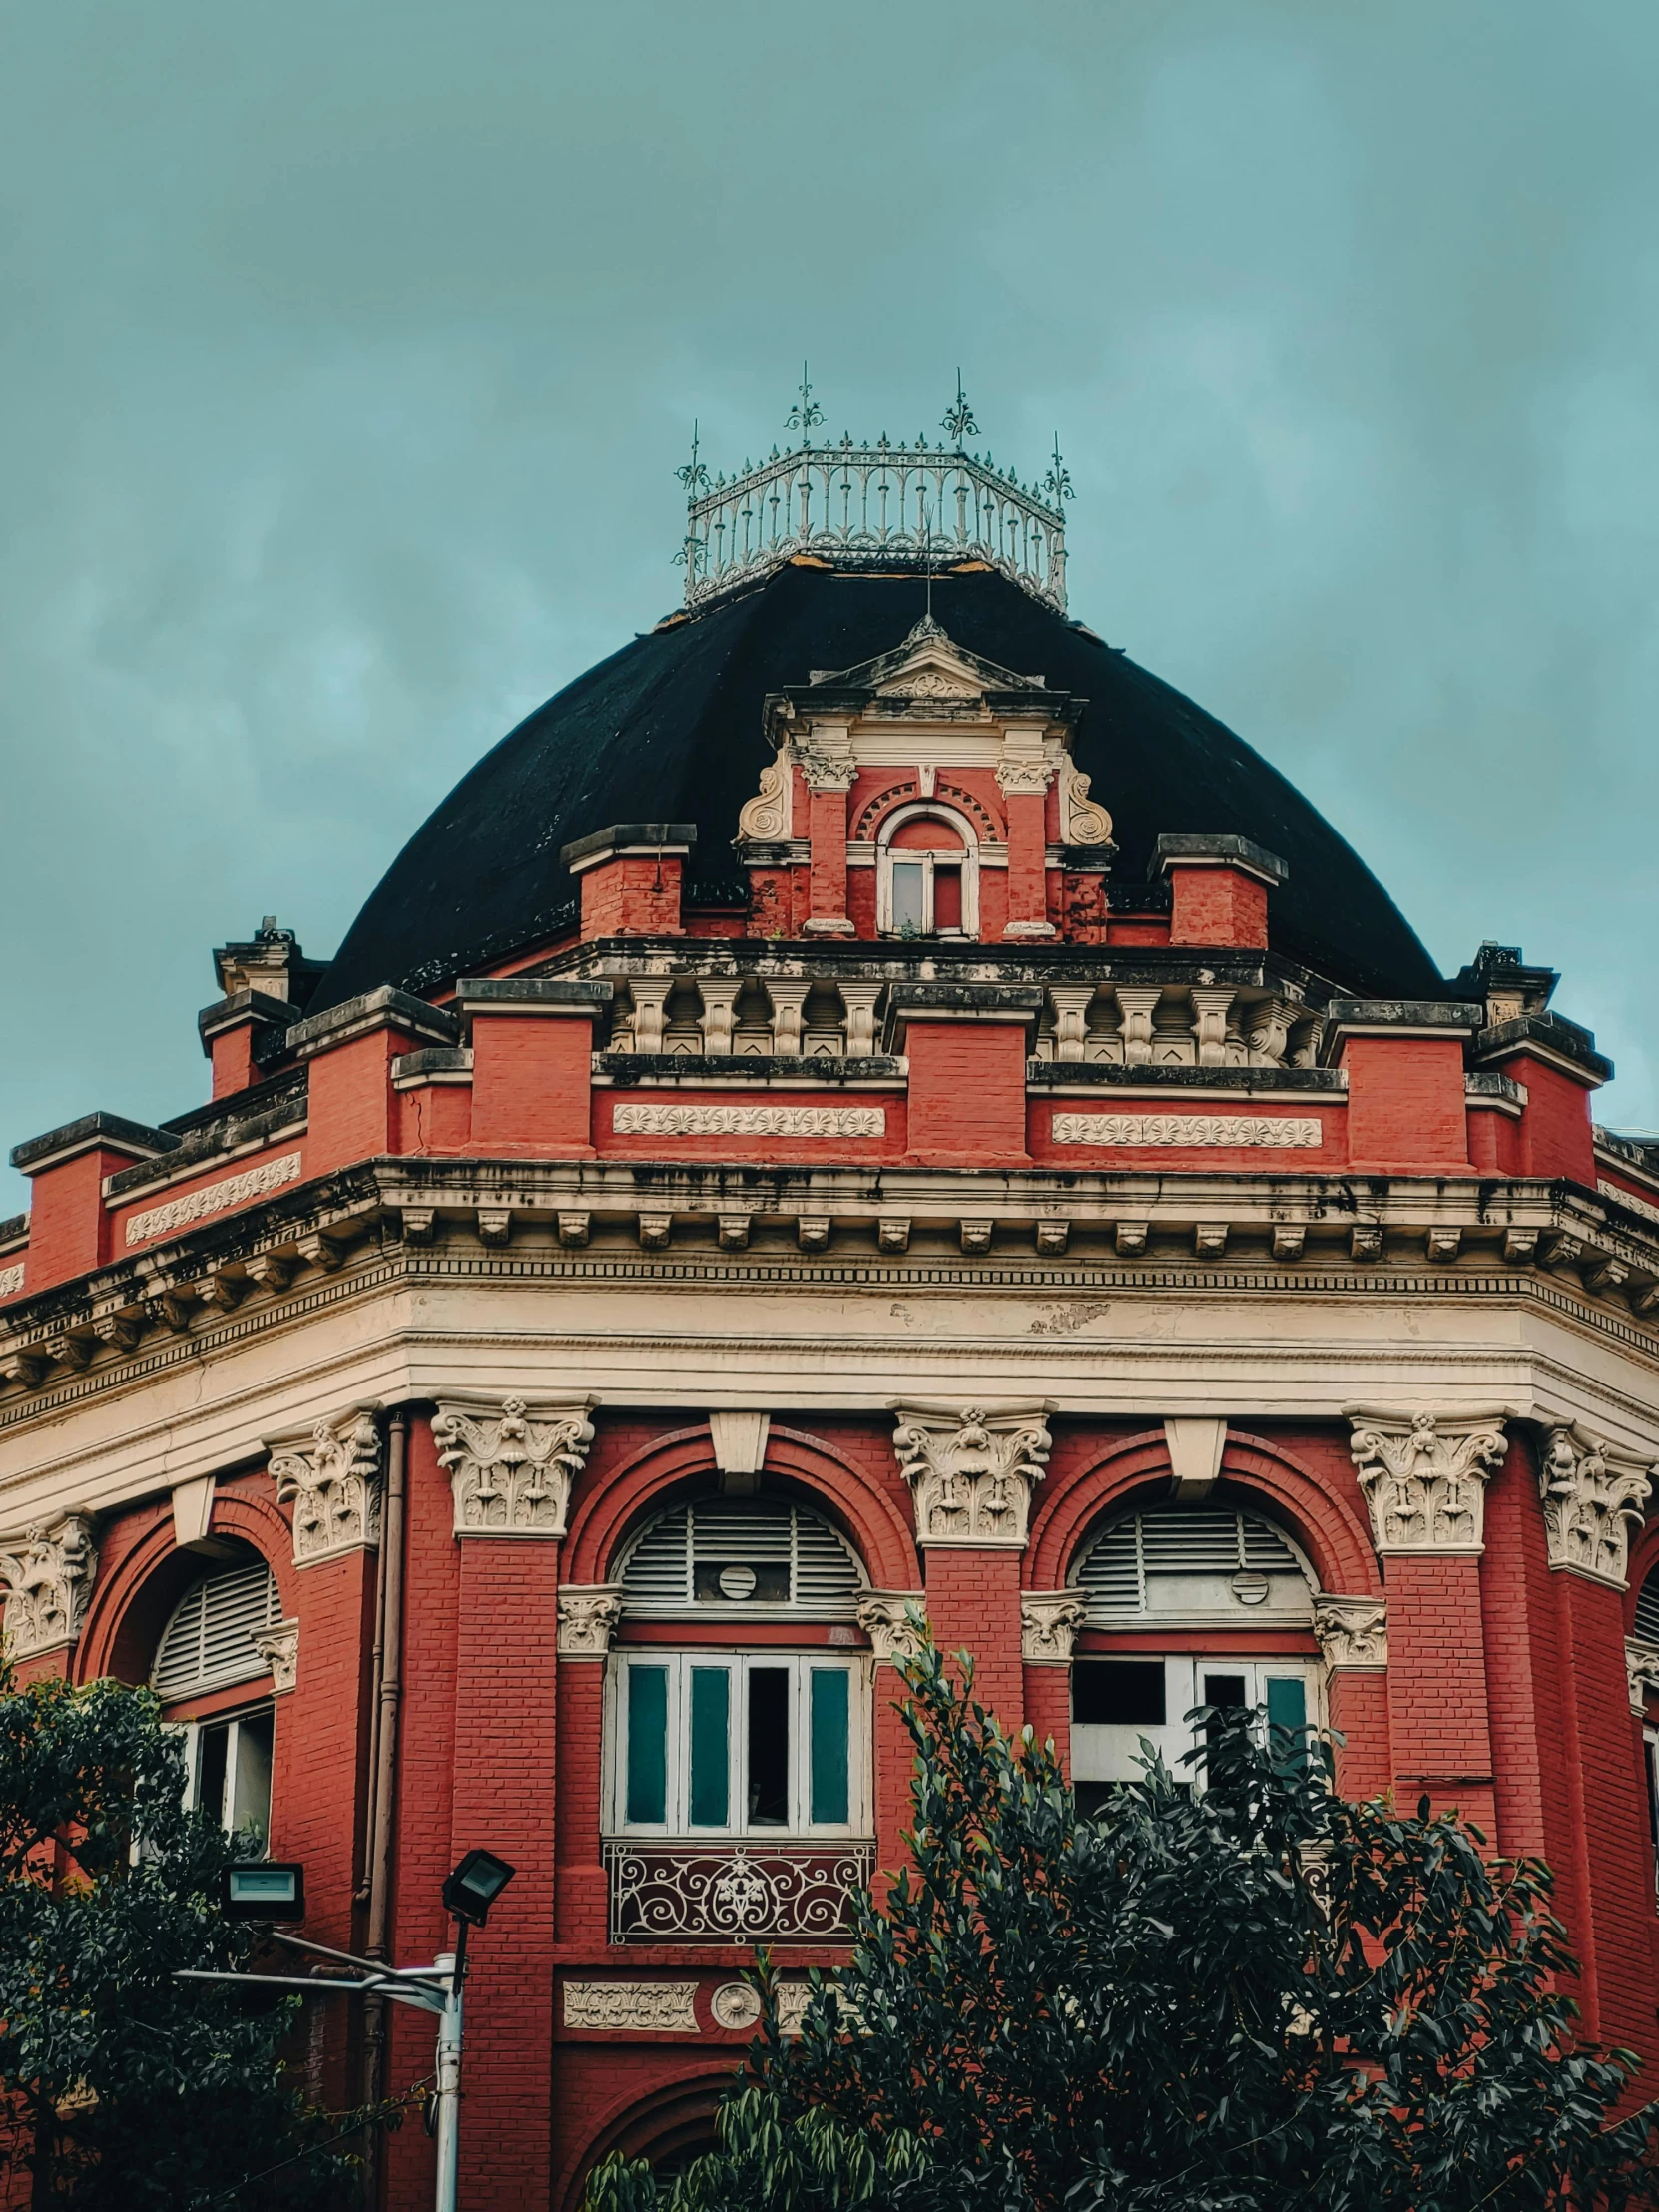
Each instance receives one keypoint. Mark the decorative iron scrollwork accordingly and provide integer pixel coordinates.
(662, 1894)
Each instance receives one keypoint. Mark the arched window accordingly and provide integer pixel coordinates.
(206, 1650)
(1224, 1586)
(723, 1733)
(926, 875)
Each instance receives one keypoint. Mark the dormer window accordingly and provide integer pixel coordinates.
(928, 874)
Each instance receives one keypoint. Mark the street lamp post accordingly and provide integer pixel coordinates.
(468, 1892)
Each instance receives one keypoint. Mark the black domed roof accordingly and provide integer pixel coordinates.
(669, 730)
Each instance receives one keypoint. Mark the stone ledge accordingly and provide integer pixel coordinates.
(1112, 1074)
(1549, 1037)
(112, 1131)
(385, 1008)
(1220, 850)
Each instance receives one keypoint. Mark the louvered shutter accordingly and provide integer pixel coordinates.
(660, 1575)
(207, 1644)
(1192, 1556)
(1647, 1610)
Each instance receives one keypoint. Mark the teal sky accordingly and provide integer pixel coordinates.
(348, 352)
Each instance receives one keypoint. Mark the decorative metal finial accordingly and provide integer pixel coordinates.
(694, 475)
(805, 414)
(958, 423)
(1057, 483)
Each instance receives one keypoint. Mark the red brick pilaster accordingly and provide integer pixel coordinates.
(973, 1605)
(827, 827)
(1027, 865)
(1358, 1702)
(1439, 1737)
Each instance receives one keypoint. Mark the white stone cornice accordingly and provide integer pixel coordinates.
(1425, 1477)
(48, 1579)
(588, 1614)
(1353, 1632)
(511, 1469)
(885, 1616)
(972, 1473)
(1049, 1625)
(333, 1485)
(1592, 1498)
(1641, 1668)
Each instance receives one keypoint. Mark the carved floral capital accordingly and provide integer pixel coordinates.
(972, 1473)
(588, 1614)
(1425, 1477)
(1592, 1499)
(278, 1645)
(1048, 1624)
(1641, 1667)
(333, 1485)
(885, 1618)
(1353, 1632)
(511, 1469)
(48, 1579)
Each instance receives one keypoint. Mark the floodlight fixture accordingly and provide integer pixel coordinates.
(475, 1884)
(262, 1890)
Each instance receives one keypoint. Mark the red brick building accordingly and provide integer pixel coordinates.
(867, 1097)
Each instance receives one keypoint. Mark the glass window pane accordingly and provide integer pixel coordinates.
(769, 1747)
(907, 895)
(1224, 1689)
(1287, 1702)
(830, 1711)
(1117, 1693)
(251, 1787)
(948, 898)
(212, 1745)
(647, 1743)
(710, 1745)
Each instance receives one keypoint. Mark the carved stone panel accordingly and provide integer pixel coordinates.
(48, 1579)
(333, 1485)
(1592, 1499)
(1353, 1632)
(1425, 1477)
(278, 1645)
(511, 1469)
(588, 1614)
(884, 1615)
(1049, 1621)
(657, 2007)
(972, 1473)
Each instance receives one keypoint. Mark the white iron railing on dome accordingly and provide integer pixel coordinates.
(866, 505)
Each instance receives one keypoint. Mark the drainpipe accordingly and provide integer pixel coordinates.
(388, 1694)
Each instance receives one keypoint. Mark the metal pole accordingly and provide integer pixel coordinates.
(449, 2077)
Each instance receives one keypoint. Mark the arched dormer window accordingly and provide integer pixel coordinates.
(1225, 1585)
(205, 1654)
(714, 1733)
(928, 874)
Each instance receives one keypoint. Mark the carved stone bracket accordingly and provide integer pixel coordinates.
(511, 1469)
(48, 1580)
(1425, 1477)
(1592, 1498)
(333, 1485)
(884, 1617)
(278, 1645)
(972, 1473)
(765, 816)
(588, 1614)
(1353, 1632)
(1049, 1625)
(1641, 1667)
(1083, 821)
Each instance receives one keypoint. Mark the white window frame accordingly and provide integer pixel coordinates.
(739, 1664)
(1107, 1751)
(968, 862)
(192, 1732)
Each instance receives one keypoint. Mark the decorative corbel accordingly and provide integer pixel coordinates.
(1049, 1625)
(885, 1616)
(511, 1469)
(1353, 1633)
(588, 1614)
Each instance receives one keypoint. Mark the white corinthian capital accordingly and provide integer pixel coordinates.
(512, 1468)
(1353, 1632)
(48, 1579)
(1425, 1477)
(332, 1482)
(1592, 1498)
(972, 1473)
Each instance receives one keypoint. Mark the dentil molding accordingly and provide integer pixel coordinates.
(333, 1485)
(279, 1646)
(972, 1473)
(884, 1617)
(48, 1581)
(511, 1469)
(1425, 1477)
(1049, 1625)
(1592, 1498)
(1353, 1633)
(588, 1614)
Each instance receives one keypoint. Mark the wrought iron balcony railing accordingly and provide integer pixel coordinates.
(736, 1893)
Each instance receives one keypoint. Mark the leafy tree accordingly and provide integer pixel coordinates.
(1248, 1997)
(119, 2086)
